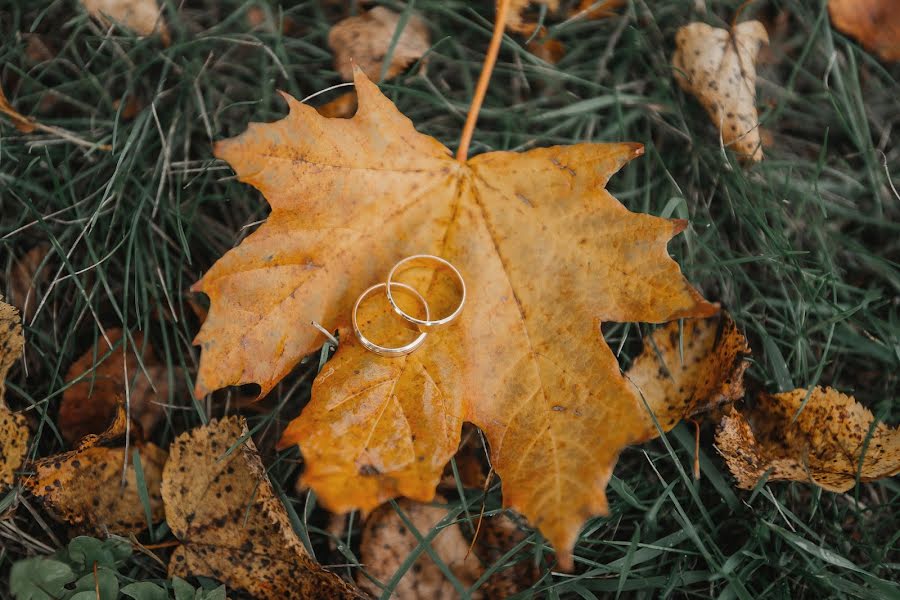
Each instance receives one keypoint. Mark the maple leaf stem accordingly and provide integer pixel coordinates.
(490, 59)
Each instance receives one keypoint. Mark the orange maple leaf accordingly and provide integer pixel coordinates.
(547, 254)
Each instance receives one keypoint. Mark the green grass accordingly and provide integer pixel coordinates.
(801, 248)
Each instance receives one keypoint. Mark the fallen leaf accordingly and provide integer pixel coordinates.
(875, 23)
(90, 404)
(387, 541)
(365, 40)
(497, 536)
(20, 121)
(25, 280)
(515, 21)
(222, 508)
(823, 446)
(144, 17)
(380, 427)
(685, 370)
(547, 49)
(342, 107)
(594, 9)
(85, 488)
(719, 68)
(13, 427)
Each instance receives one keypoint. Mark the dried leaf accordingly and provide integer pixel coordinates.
(24, 280)
(90, 405)
(387, 542)
(84, 487)
(823, 446)
(364, 41)
(875, 23)
(547, 49)
(497, 536)
(342, 107)
(684, 370)
(719, 68)
(515, 21)
(221, 506)
(20, 121)
(594, 9)
(13, 427)
(380, 427)
(141, 16)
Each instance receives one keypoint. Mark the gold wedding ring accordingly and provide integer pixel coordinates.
(385, 350)
(413, 261)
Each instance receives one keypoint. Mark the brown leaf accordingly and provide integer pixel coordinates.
(84, 487)
(378, 427)
(497, 536)
(20, 121)
(221, 506)
(13, 427)
(387, 542)
(365, 40)
(823, 446)
(25, 280)
(547, 49)
(144, 17)
(342, 107)
(89, 405)
(686, 370)
(719, 68)
(594, 9)
(875, 23)
(515, 21)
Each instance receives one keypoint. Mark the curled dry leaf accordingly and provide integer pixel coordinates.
(25, 280)
(221, 506)
(365, 40)
(91, 404)
(20, 121)
(84, 488)
(823, 446)
(387, 542)
(380, 427)
(875, 23)
(719, 68)
(13, 428)
(144, 17)
(687, 370)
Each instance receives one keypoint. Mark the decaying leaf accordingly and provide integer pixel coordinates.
(498, 535)
(380, 427)
(823, 446)
(685, 370)
(875, 23)
(365, 40)
(387, 541)
(597, 9)
(221, 506)
(13, 428)
(25, 280)
(84, 488)
(547, 49)
(515, 21)
(90, 404)
(718, 66)
(144, 17)
(21, 122)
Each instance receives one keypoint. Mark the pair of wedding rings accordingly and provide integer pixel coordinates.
(425, 325)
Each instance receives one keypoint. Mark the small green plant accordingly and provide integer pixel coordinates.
(88, 569)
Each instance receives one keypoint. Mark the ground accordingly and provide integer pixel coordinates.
(801, 248)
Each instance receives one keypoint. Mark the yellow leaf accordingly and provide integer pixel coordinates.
(547, 253)
(823, 445)
(719, 68)
(221, 506)
(690, 368)
(13, 427)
